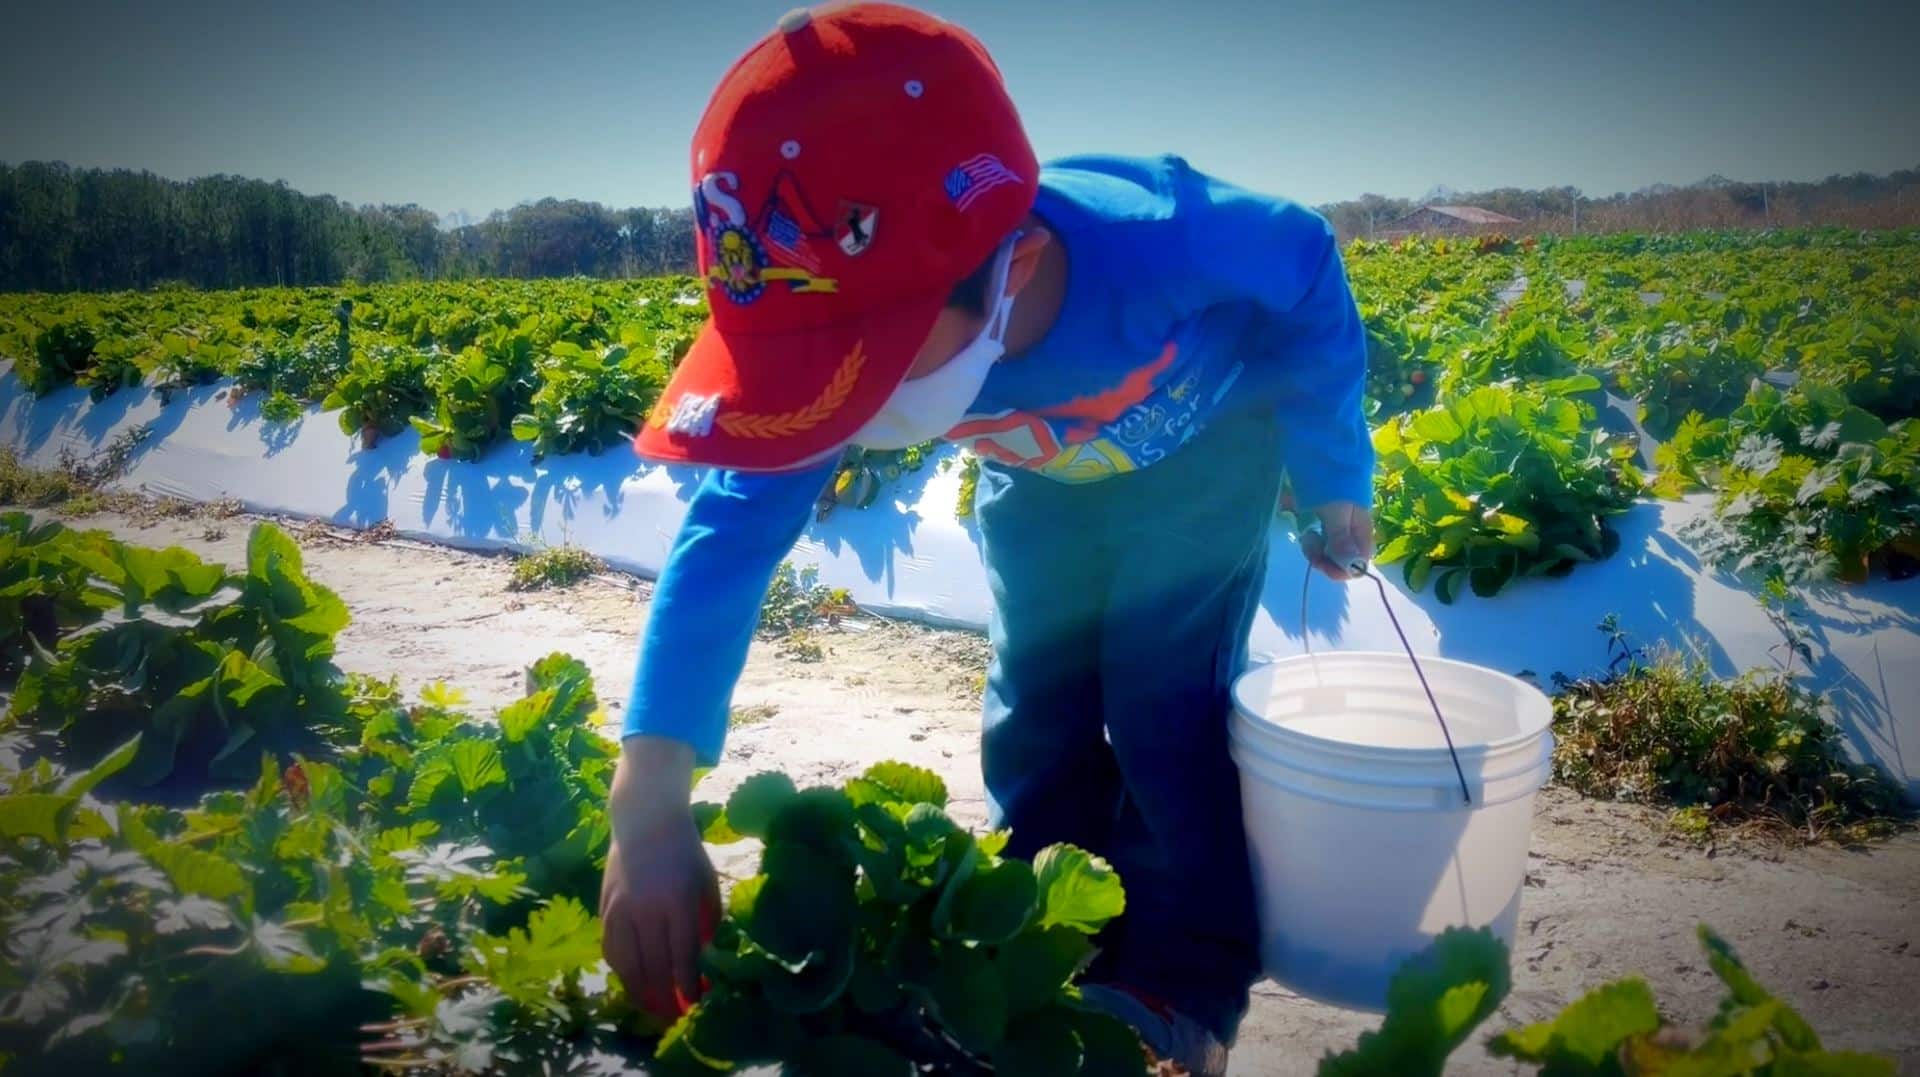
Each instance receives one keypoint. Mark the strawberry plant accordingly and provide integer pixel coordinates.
(383, 388)
(1439, 997)
(880, 937)
(477, 392)
(59, 352)
(44, 591)
(1533, 341)
(304, 369)
(115, 366)
(1499, 483)
(1809, 485)
(213, 668)
(1673, 375)
(589, 399)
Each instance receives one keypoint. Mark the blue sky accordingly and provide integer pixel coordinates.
(478, 106)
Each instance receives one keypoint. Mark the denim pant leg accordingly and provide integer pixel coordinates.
(1050, 774)
(1191, 536)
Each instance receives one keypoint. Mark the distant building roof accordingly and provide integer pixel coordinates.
(1473, 214)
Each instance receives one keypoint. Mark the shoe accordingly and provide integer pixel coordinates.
(1171, 1035)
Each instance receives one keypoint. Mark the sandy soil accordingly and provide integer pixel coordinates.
(1835, 932)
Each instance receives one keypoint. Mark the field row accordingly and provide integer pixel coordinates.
(202, 815)
(1781, 372)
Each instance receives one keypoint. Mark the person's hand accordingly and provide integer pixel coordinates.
(659, 897)
(1345, 535)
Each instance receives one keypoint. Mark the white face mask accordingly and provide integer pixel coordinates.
(925, 408)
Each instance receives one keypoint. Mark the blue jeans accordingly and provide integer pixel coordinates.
(1121, 614)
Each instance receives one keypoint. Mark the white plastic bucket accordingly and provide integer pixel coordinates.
(1363, 848)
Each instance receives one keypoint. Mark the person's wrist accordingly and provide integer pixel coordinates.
(652, 784)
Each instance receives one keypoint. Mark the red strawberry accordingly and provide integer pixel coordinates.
(446, 452)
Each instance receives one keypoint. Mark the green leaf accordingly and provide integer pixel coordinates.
(477, 764)
(524, 715)
(284, 948)
(35, 815)
(711, 820)
(1396, 550)
(846, 1056)
(1415, 574)
(195, 871)
(909, 784)
(1108, 1046)
(1434, 1002)
(1041, 1045)
(113, 762)
(754, 804)
(1585, 1038)
(1077, 889)
(1568, 386)
(1794, 1030)
(968, 998)
(992, 905)
(1036, 965)
(1447, 586)
(728, 1027)
(1437, 424)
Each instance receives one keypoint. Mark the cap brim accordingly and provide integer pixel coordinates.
(775, 401)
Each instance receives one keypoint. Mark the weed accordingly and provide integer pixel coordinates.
(751, 714)
(802, 645)
(796, 599)
(553, 566)
(1754, 749)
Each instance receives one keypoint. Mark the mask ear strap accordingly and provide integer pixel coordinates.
(1002, 312)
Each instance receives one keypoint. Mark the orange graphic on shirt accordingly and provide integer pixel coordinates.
(1102, 408)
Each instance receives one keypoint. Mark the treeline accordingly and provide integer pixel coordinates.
(68, 229)
(1856, 201)
(72, 229)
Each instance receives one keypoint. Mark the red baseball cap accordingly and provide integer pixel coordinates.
(851, 168)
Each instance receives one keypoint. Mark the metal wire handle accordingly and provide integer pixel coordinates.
(1361, 568)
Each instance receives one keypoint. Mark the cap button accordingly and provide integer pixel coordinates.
(794, 20)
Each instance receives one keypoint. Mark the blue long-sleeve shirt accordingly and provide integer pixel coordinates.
(1185, 296)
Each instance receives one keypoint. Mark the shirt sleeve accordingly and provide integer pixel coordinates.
(738, 527)
(1284, 257)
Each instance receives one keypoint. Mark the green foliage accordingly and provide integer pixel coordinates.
(382, 389)
(281, 407)
(796, 600)
(303, 369)
(1757, 748)
(1498, 483)
(1674, 376)
(60, 352)
(477, 391)
(418, 895)
(1434, 1002)
(969, 487)
(589, 400)
(1617, 1030)
(1809, 485)
(879, 933)
(212, 668)
(34, 487)
(1439, 997)
(553, 566)
(863, 473)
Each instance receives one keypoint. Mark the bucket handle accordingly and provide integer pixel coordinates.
(1359, 567)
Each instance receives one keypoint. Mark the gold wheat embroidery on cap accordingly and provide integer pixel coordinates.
(789, 423)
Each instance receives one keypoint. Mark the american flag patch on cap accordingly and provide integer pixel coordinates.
(976, 176)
